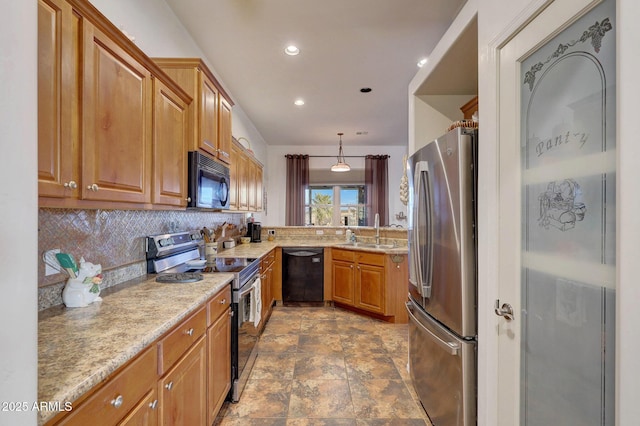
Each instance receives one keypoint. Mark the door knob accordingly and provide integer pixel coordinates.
(506, 310)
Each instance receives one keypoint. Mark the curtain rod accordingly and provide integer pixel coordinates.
(334, 156)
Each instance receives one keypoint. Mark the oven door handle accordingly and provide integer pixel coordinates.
(247, 291)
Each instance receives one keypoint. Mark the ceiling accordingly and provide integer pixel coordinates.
(345, 45)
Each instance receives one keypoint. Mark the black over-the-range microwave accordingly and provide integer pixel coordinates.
(208, 183)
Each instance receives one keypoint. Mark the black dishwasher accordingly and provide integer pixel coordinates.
(302, 275)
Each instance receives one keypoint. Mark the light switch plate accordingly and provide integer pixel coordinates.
(51, 255)
(271, 232)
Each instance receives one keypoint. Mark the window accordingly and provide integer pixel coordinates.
(327, 205)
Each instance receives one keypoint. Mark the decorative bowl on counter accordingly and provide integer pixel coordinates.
(245, 240)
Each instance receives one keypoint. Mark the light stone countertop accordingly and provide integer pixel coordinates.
(256, 250)
(79, 348)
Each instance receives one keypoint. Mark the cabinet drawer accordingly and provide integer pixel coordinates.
(346, 255)
(119, 395)
(371, 258)
(172, 346)
(219, 304)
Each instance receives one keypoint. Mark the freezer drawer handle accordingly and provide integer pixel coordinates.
(451, 347)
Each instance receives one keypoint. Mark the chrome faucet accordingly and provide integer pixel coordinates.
(376, 226)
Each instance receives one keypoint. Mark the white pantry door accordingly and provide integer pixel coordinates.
(556, 144)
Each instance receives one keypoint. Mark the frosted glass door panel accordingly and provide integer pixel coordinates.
(568, 216)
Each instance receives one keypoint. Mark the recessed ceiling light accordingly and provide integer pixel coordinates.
(365, 89)
(362, 133)
(421, 62)
(291, 50)
(299, 102)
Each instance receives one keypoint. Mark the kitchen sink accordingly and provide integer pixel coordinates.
(368, 245)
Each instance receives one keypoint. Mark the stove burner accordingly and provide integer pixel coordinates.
(184, 277)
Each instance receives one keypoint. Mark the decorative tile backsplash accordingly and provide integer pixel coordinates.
(112, 238)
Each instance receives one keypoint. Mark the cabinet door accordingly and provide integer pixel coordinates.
(224, 131)
(57, 86)
(208, 116)
(251, 184)
(119, 395)
(243, 190)
(145, 413)
(219, 364)
(370, 288)
(170, 127)
(117, 113)
(183, 389)
(234, 176)
(343, 281)
(258, 183)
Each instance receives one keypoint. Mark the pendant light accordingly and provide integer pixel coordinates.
(341, 165)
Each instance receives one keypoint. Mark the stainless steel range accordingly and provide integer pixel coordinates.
(179, 258)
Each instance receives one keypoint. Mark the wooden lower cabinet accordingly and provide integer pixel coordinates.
(218, 353)
(361, 280)
(120, 396)
(182, 379)
(145, 413)
(343, 278)
(182, 391)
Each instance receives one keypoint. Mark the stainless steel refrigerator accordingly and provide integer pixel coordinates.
(442, 277)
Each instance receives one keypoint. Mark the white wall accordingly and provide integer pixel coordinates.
(426, 122)
(19, 213)
(430, 123)
(497, 20)
(275, 214)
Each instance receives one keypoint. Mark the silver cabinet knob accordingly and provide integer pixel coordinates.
(71, 184)
(189, 332)
(153, 404)
(169, 386)
(188, 199)
(117, 402)
(93, 187)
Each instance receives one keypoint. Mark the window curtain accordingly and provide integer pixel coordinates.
(376, 171)
(297, 183)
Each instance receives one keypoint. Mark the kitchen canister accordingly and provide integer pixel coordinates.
(210, 253)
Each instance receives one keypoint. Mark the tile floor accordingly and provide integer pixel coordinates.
(327, 366)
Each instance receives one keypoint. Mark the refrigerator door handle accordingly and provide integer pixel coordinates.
(452, 347)
(422, 261)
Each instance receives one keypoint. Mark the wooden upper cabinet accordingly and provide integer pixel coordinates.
(117, 114)
(57, 86)
(210, 110)
(170, 136)
(246, 180)
(243, 182)
(234, 172)
(224, 131)
(96, 124)
(259, 189)
(469, 108)
(251, 186)
(208, 115)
